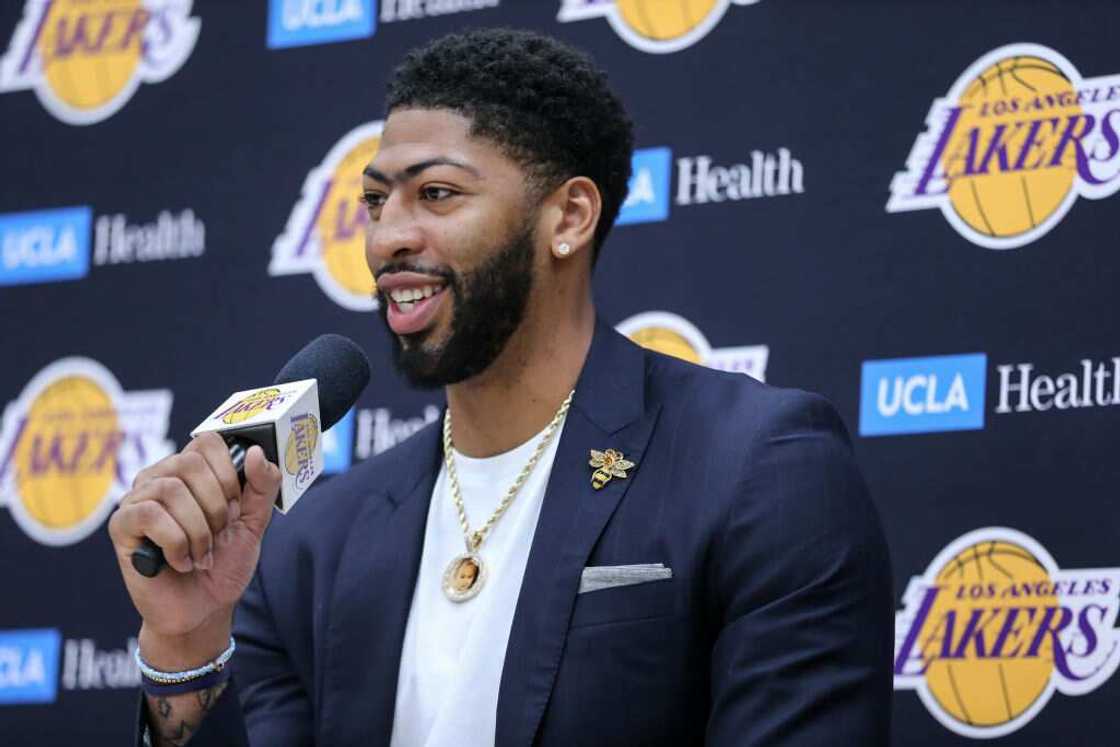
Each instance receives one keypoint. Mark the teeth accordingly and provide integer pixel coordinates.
(405, 306)
(410, 295)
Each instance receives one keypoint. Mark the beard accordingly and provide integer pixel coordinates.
(488, 305)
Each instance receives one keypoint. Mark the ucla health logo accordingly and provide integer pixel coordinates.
(296, 23)
(700, 180)
(994, 628)
(1018, 138)
(674, 335)
(71, 445)
(85, 58)
(657, 26)
(922, 395)
(44, 245)
(29, 665)
(325, 235)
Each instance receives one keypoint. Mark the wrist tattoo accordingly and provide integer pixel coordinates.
(176, 724)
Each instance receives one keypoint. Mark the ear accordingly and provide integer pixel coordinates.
(572, 213)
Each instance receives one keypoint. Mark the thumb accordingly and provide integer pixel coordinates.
(262, 483)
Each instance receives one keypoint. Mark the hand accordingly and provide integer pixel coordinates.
(210, 530)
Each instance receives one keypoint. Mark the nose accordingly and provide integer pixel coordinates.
(394, 235)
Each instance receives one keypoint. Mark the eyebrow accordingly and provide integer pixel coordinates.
(411, 171)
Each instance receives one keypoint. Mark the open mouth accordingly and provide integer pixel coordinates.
(414, 300)
(405, 299)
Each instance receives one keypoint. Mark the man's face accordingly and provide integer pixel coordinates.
(450, 242)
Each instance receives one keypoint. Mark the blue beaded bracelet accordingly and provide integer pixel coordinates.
(155, 682)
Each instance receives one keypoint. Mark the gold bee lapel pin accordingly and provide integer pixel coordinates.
(608, 464)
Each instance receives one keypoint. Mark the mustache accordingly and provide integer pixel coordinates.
(395, 267)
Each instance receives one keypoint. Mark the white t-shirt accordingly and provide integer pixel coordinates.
(453, 652)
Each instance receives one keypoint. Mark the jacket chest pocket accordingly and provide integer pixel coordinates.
(645, 600)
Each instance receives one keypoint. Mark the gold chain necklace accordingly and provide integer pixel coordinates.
(466, 573)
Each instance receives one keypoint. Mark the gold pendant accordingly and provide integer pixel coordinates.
(464, 577)
(607, 464)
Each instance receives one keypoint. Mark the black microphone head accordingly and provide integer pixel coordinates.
(341, 369)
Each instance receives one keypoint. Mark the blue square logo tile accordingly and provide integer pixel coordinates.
(41, 246)
(647, 199)
(29, 665)
(922, 395)
(338, 445)
(299, 23)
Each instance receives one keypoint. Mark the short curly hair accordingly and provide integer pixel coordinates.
(544, 103)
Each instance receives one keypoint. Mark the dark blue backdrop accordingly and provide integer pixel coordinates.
(178, 216)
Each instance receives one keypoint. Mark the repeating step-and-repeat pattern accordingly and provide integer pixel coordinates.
(906, 206)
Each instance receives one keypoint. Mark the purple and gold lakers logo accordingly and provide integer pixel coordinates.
(86, 58)
(299, 453)
(1018, 138)
(993, 628)
(674, 335)
(250, 405)
(71, 445)
(325, 235)
(657, 26)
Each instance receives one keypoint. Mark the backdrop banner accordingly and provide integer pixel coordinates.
(906, 206)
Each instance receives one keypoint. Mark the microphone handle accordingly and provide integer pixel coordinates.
(148, 559)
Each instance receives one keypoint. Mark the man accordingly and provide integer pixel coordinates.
(665, 554)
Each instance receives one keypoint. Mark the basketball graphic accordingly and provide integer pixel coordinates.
(1008, 204)
(654, 26)
(994, 628)
(251, 405)
(666, 19)
(86, 58)
(986, 692)
(71, 445)
(300, 449)
(342, 222)
(64, 468)
(90, 49)
(1017, 139)
(674, 335)
(666, 341)
(325, 233)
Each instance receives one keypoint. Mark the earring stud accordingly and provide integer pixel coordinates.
(564, 249)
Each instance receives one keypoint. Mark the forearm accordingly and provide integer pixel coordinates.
(174, 719)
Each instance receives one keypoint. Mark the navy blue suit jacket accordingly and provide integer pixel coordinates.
(775, 629)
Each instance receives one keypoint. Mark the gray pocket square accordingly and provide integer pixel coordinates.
(598, 577)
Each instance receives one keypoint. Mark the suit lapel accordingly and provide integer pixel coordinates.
(371, 600)
(608, 411)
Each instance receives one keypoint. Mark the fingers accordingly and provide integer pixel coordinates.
(262, 483)
(149, 518)
(187, 512)
(205, 468)
(191, 497)
(197, 491)
(214, 449)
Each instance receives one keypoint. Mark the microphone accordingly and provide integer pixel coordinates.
(318, 385)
